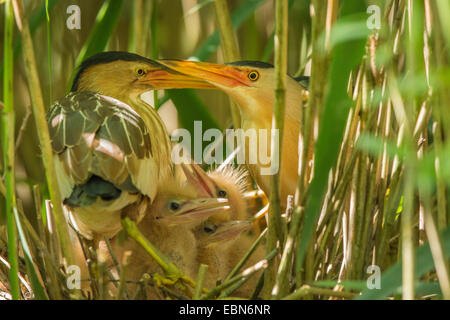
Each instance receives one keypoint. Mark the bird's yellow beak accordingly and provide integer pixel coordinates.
(163, 78)
(216, 74)
(198, 209)
(227, 231)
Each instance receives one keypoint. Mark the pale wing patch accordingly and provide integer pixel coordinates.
(148, 177)
(109, 148)
(65, 182)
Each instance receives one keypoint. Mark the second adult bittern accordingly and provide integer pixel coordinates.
(251, 84)
(111, 148)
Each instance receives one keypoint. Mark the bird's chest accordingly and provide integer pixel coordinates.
(256, 136)
(258, 153)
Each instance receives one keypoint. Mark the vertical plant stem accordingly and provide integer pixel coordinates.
(407, 236)
(154, 41)
(135, 40)
(283, 277)
(43, 133)
(435, 242)
(7, 134)
(200, 279)
(49, 53)
(2, 188)
(275, 231)
(443, 11)
(415, 64)
(306, 290)
(122, 272)
(228, 38)
(442, 220)
(38, 210)
(229, 47)
(319, 63)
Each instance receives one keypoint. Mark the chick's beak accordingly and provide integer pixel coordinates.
(217, 74)
(198, 210)
(198, 178)
(162, 78)
(228, 231)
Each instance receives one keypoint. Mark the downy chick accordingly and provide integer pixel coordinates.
(223, 239)
(168, 225)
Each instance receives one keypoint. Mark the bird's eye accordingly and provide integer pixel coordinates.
(222, 193)
(209, 228)
(253, 75)
(173, 205)
(140, 72)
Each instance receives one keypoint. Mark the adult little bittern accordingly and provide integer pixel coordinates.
(251, 85)
(111, 148)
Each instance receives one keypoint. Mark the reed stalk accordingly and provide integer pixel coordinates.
(229, 46)
(136, 40)
(435, 242)
(319, 64)
(154, 43)
(307, 290)
(43, 133)
(415, 65)
(49, 52)
(275, 233)
(2, 188)
(7, 134)
(281, 287)
(200, 278)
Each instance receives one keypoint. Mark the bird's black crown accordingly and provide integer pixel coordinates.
(249, 63)
(105, 57)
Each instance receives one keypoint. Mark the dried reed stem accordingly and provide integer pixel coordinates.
(7, 134)
(306, 290)
(43, 133)
(275, 234)
(230, 47)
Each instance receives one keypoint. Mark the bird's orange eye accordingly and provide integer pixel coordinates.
(253, 75)
(140, 72)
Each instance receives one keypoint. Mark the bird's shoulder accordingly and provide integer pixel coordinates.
(79, 114)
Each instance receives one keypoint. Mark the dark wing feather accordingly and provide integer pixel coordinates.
(97, 135)
(303, 81)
